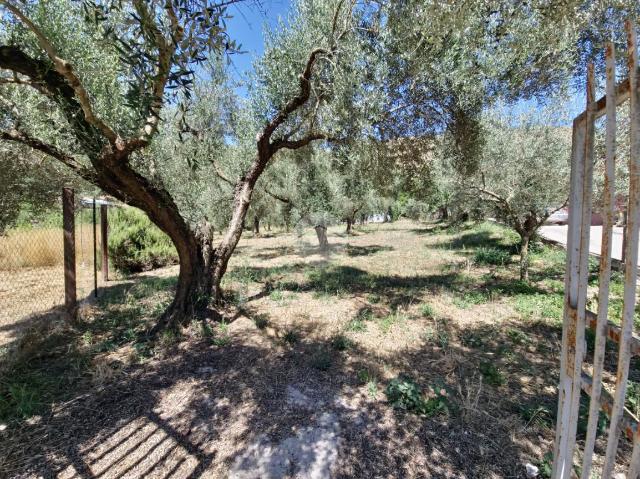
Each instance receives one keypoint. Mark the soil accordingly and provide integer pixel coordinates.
(270, 404)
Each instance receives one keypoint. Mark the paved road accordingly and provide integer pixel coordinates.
(559, 233)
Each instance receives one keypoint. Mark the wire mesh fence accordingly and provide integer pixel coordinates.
(32, 277)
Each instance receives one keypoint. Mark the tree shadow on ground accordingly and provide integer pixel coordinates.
(259, 407)
(353, 250)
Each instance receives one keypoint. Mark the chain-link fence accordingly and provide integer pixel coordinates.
(32, 275)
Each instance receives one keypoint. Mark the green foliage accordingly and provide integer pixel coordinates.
(427, 310)
(540, 305)
(633, 397)
(538, 415)
(136, 244)
(467, 299)
(546, 465)
(491, 373)
(403, 393)
(21, 399)
(261, 320)
(437, 334)
(276, 295)
(493, 256)
(291, 336)
(356, 325)
(340, 342)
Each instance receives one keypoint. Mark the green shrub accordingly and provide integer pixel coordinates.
(491, 373)
(136, 244)
(340, 342)
(404, 393)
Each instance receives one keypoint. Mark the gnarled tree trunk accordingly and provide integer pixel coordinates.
(321, 233)
(256, 225)
(526, 230)
(524, 258)
(349, 225)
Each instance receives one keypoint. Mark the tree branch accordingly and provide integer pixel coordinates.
(166, 49)
(66, 70)
(21, 137)
(18, 81)
(58, 89)
(226, 179)
(295, 144)
(298, 100)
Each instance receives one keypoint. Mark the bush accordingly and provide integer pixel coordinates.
(136, 244)
(403, 393)
(494, 256)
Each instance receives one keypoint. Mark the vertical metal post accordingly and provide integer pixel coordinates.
(95, 255)
(104, 242)
(605, 261)
(623, 259)
(576, 277)
(69, 241)
(631, 255)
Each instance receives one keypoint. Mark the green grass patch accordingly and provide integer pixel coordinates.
(491, 256)
(547, 306)
(468, 299)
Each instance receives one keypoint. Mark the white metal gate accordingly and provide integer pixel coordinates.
(573, 379)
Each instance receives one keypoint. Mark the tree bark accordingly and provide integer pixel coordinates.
(195, 250)
(256, 225)
(321, 233)
(524, 257)
(349, 225)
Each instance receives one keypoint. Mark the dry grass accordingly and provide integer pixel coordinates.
(41, 247)
(309, 344)
(32, 275)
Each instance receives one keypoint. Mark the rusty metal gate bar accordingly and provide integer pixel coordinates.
(573, 380)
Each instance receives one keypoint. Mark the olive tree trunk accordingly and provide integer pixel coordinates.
(321, 233)
(524, 257)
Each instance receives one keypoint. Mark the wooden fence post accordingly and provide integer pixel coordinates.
(104, 241)
(69, 240)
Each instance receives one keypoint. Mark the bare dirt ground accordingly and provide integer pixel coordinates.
(294, 384)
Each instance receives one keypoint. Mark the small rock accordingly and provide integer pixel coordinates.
(3, 427)
(532, 471)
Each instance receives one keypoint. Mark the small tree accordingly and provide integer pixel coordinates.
(523, 172)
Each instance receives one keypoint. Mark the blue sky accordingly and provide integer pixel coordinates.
(246, 28)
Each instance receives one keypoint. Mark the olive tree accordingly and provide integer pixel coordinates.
(523, 171)
(87, 85)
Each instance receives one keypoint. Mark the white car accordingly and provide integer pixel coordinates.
(560, 217)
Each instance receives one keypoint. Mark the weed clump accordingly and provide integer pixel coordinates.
(403, 393)
(491, 256)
